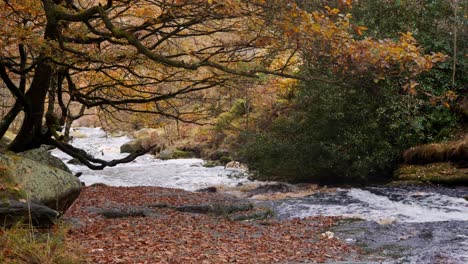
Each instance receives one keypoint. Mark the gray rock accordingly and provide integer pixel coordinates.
(42, 184)
(132, 146)
(43, 156)
(166, 154)
(12, 212)
(217, 154)
(271, 188)
(74, 161)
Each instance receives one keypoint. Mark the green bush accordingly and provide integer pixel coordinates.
(335, 134)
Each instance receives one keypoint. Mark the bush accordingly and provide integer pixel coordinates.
(337, 134)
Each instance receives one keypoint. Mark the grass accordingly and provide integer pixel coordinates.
(455, 151)
(441, 173)
(23, 244)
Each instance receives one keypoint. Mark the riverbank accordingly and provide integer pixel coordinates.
(150, 229)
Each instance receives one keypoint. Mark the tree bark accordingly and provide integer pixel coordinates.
(31, 135)
(9, 118)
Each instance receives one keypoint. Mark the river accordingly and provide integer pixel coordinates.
(405, 224)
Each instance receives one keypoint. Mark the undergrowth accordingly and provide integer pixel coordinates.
(24, 244)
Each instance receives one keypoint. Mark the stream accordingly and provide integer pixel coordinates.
(405, 224)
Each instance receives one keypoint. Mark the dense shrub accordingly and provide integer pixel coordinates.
(335, 133)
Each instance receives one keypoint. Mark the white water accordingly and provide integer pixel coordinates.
(189, 174)
(410, 207)
(384, 205)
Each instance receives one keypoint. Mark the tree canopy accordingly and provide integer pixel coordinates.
(154, 57)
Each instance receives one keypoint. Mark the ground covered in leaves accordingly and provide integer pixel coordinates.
(157, 233)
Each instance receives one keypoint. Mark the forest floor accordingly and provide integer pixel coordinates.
(158, 225)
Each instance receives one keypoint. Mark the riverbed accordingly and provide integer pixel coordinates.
(405, 224)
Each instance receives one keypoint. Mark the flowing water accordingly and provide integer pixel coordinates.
(408, 224)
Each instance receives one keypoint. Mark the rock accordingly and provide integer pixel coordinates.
(117, 133)
(74, 161)
(212, 163)
(77, 134)
(43, 156)
(225, 160)
(42, 184)
(132, 146)
(174, 154)
(217, 154)
(166, 154)
(211, 189)
(440, 173)
(271, 188)
(12, 212)
(236, 165)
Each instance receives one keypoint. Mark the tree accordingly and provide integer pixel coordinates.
(154, 56)
(139, 56)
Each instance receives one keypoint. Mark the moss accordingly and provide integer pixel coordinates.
(180, 154)
(9, 188)
(441, 173)
(225, 160)
(212, 163)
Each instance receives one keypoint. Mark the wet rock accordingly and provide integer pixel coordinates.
(132, 146)
(174, 154)
(74, 161)
(271, 188)
(428, 242)
(440, 173)
(236, 165)
(118, 133)
(77, 134)
(12, 212)
(40, 183)
(43, 156)
(211, 163)
(211, 189)
(217, 154)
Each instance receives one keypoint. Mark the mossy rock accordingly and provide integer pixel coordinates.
(132, 146)
(174, 154)
(180, 154)
(440, 173)
(42, 184)
(225, 160)
(212, 163)
(43, 156)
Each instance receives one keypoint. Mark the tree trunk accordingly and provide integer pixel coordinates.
(31, 135)
(9, 118)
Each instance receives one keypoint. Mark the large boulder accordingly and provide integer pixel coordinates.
(43, 156)
(42, 184)
(132, 146)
